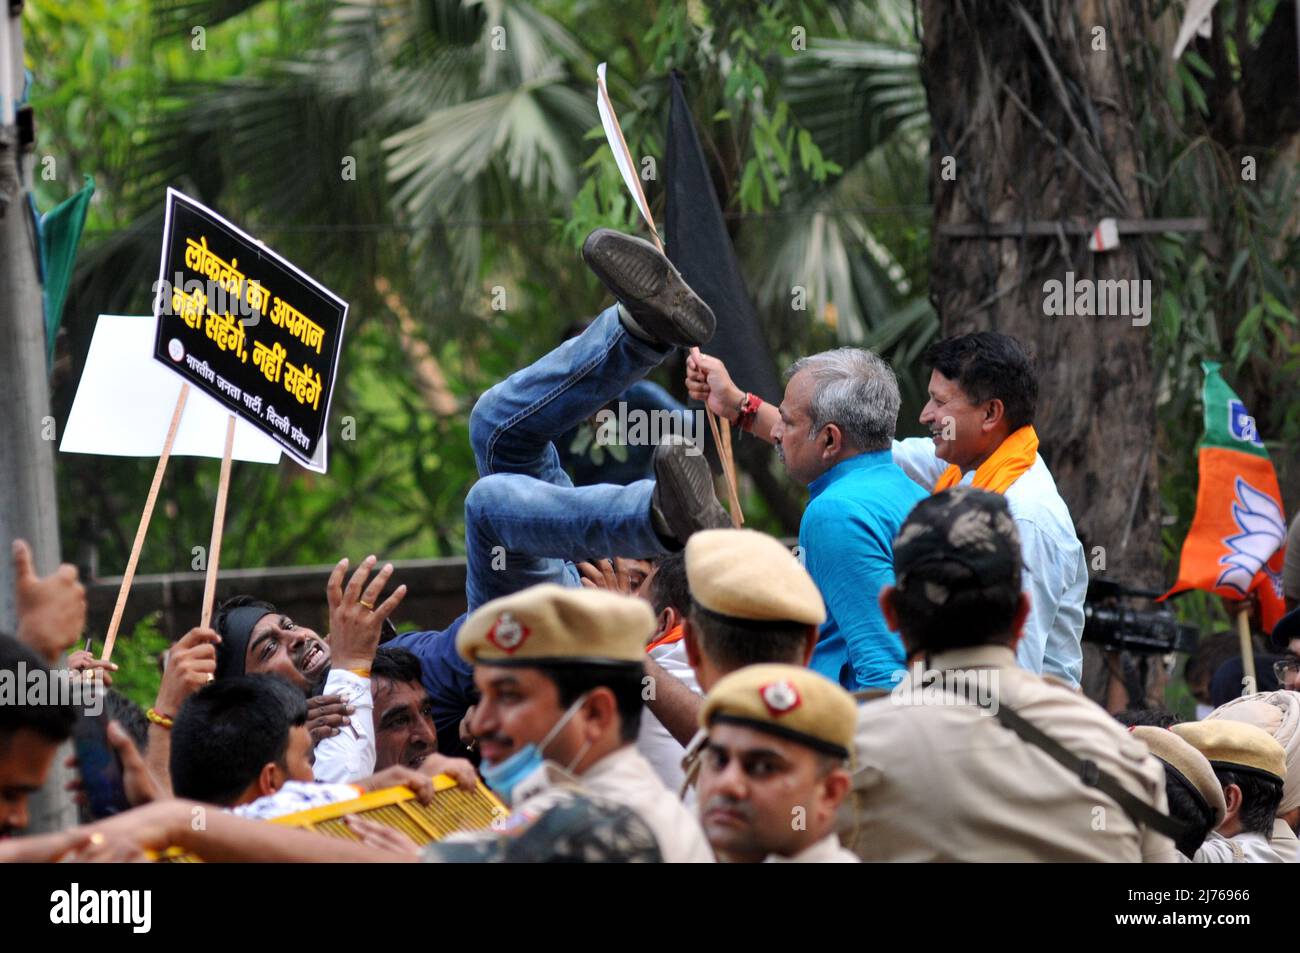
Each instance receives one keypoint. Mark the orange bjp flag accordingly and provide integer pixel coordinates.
(1235, 545)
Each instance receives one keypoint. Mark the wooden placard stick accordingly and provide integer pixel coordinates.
(737, 517)
(143, 529)
(1247, 648)
(618, 144)
(218, 527)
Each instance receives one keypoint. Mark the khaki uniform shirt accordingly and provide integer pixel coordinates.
(625, 777)
(938, 781)
(825, 851)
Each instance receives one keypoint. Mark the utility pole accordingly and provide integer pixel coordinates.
(27, 500)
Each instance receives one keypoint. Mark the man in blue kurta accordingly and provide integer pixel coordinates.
(834, 431)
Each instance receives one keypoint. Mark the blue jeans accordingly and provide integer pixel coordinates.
(525, 521)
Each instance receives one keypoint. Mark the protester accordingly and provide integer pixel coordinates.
(51, 609)
(983, 395)
(1251, 768)
(242, 743)
(30, 732)
(833, 432)
(1277, 713)
(971, 757)
(1285, 638)
(774, 765)
(1194, 794)
(405, 732)
(668, 592)
(525, 521)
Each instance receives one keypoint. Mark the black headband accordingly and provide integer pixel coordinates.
(236, 630)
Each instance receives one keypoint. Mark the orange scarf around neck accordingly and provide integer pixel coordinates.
(1004, 467)
(674, 634)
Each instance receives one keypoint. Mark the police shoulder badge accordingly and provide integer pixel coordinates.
(780, 697)
(507, 633)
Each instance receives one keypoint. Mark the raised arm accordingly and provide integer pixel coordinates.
(707, 380)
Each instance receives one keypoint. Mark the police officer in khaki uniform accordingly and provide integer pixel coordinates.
(774, 766)
(561, 675)
(1194, 793)
(1251, 766)
(1277, 713)
(971, 758)
(752, 602)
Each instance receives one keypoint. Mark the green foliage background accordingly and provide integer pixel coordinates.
(479, 167)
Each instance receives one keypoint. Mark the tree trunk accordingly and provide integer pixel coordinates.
(1031, 123)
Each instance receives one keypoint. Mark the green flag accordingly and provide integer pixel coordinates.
(60, 230)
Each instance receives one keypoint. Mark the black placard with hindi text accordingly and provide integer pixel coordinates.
(248, 328)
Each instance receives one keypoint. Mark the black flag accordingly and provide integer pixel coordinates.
(698, 244)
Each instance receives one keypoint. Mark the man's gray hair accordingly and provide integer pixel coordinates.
(854, 389)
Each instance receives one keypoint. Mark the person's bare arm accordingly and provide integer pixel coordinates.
(218, 837)
(229, 839)
(707, 380)
(191, 664)
(673, 703)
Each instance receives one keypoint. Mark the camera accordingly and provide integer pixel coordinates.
(1113, 622)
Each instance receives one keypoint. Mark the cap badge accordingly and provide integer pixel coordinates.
(507, 634)
(779, 697)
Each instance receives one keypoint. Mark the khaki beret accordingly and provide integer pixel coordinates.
(1235, 745)
(1181, 758)
(788, 701)
(742, 574)
(550, 623)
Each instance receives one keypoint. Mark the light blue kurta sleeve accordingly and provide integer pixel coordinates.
(915, 457)
(1055, 579)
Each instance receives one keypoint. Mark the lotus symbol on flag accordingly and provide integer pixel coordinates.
(1263, 531)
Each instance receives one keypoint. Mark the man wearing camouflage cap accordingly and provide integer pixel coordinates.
(561, 676)
(773, 770)
(1251, 767)
(970, 757)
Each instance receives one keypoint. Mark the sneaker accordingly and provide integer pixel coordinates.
(683, 500)
(660, 302)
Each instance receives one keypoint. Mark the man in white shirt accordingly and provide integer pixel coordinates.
(668, 593)
(983, 393)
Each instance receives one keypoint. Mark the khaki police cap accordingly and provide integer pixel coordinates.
(550, 623)
(1192, 766)
(741, 574)
(1236, 746)
(788, 701)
